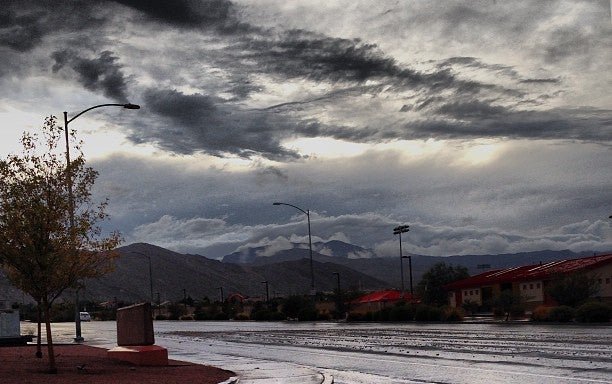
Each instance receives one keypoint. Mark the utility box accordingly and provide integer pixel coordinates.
(135, 337)
(9, 324)
(135, 325)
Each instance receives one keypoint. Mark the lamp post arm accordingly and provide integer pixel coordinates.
(296, 207)
(128, 105)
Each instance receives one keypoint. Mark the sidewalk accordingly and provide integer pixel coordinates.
(81, 363)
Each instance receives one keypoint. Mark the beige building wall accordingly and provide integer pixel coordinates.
(471, 294)
(604, 277)
(531, 291)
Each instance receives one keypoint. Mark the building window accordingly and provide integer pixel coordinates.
(531, 286)
(524, 287)
(478, 292)
(599, 281)
(538, 285)
(607, 280)
(465, 293)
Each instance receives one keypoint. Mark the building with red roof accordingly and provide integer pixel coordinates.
(530, 281)
(375, 301)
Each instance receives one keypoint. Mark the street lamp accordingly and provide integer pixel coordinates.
(338, 279)
(267, 291)
(77, 316)
(221, 293)
(398, 231)
(150, 273)
(307, 213)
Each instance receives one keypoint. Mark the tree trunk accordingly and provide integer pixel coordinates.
(46, 308)
(38, 338)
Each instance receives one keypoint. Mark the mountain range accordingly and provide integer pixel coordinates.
(175, 275)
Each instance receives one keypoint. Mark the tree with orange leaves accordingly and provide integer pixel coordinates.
(50, 238)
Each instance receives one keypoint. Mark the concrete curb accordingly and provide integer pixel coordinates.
(327, 379)
(231, 380)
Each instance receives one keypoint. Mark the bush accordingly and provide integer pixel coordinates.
(201, 315)
(241, 317)
(428, 313)
(401, 313)
(452, 314)
(382, 315)
(161, 317)
(594, 313)
(541, 313)
(220, 316)
(561, 314)
(307, 314)
(186, 317)
(267, 315)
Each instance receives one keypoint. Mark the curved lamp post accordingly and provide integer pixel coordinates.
(398, 231)
(267, 291)
(150, 273)
(77, 316)
(307, 213)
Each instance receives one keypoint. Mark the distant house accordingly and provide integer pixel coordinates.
(375, 301)
(530, 281)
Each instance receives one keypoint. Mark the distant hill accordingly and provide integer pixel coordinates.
(201, 277)
(287, 272)
(388, 268)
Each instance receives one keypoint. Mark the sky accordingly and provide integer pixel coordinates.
(486, 126)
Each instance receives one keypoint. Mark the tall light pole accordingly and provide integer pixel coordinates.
(398, 231)
(150, 273)
(221, 293)
(77, 315)
(338, 280)
(339, 301)
(267, 291)
(307, 213)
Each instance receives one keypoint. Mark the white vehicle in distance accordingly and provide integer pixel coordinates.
(85, 316)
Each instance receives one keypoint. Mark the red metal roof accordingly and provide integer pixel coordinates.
(531, 272)
(383, 296)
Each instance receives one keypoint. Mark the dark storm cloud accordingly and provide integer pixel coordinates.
(304, 54)
(98, 74)
(540, 81)
(196, 122)
(183, 12)
(24, 23)
(20, 32)
(219, 15)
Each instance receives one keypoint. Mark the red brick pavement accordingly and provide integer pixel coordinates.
(85, 364)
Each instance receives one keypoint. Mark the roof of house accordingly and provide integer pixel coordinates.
(383, 296)
(531, 272)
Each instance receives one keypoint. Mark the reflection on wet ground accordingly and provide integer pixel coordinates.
(389, 353)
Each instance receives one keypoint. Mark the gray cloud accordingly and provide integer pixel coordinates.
(25, 23)
(219, 15)
(208, 124)
(98, 74)
(528, 197)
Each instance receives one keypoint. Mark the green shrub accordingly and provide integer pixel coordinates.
(401, 313)
(220, 316)
(452, 314)
(201, 315)
(561, 314)
(427, 313)
(541, 313)
(307, 314)
(161, 317)
(594, 312)
(382, 315)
